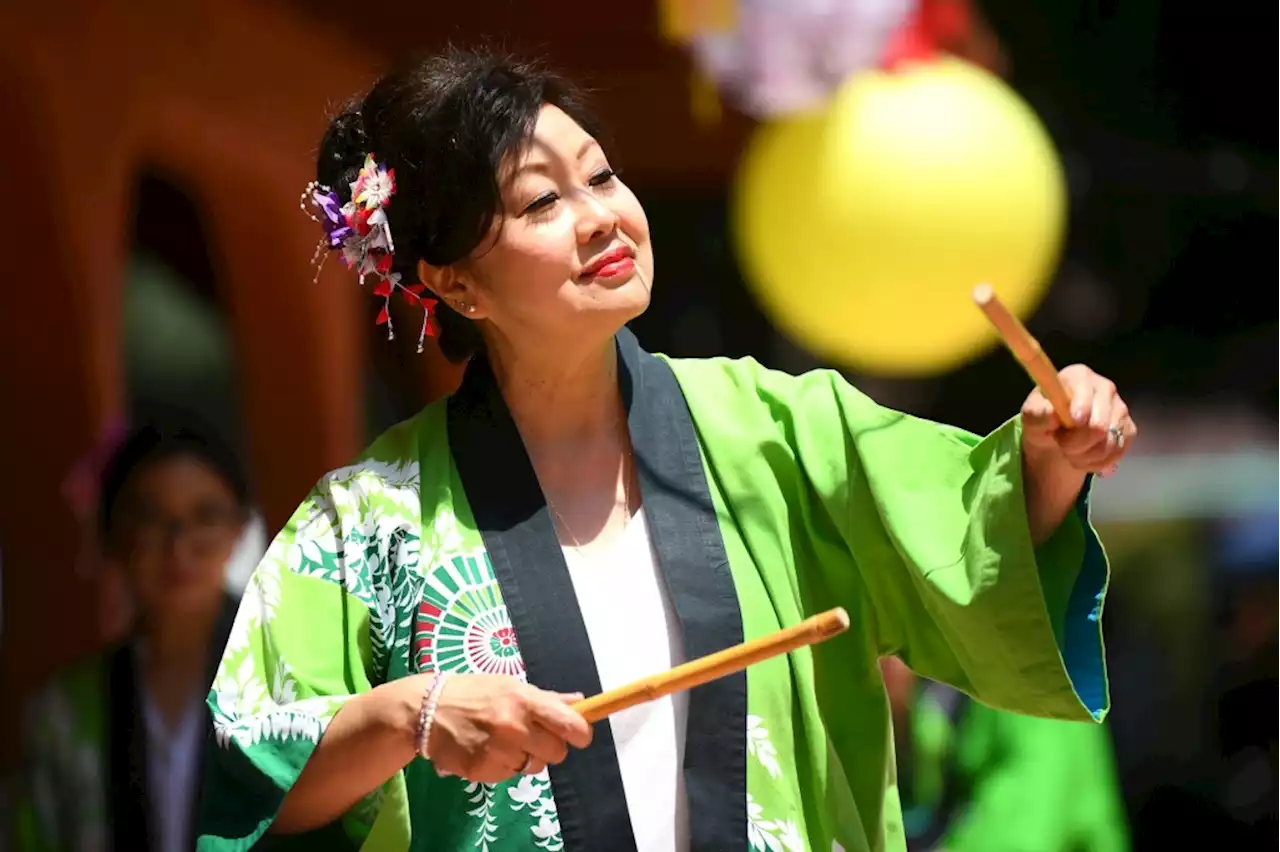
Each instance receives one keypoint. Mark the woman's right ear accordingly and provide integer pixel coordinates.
(452, 287)
(442, 281)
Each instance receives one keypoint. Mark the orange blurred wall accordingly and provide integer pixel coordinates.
(231, 98)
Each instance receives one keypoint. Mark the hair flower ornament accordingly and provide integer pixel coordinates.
(360, 231)
(375, 185)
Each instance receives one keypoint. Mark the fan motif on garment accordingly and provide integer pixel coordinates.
(462, 623)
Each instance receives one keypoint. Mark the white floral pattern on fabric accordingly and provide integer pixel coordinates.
(534, 791)
(374, 560)
(249, 704)
(482, 796)
(759, 747)
(301, 720)
(763, 834)
(376, 556)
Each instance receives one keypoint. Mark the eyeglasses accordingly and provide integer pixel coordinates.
(204, 532)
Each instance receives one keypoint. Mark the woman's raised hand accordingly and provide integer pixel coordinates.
(1103, 430)
(489, 728)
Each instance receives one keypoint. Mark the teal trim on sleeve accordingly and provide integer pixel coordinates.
(1081, 642)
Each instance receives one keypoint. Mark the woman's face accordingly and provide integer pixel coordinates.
(570, 259)
(177, 525)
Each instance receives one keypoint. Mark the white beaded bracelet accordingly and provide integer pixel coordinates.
(427, 713)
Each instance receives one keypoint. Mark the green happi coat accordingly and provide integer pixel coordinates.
(768, 498)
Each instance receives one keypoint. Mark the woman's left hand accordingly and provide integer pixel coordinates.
(1103, 432)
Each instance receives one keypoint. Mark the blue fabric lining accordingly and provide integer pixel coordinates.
(1082, 647)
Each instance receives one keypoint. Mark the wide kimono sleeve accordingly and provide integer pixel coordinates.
(300, 646)
(921, 531)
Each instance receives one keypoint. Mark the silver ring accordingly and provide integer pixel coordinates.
(1118, 434)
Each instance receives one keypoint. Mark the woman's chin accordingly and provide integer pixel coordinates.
(629, 296)
(623, 311)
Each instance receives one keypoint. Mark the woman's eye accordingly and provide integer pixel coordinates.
(542, 202)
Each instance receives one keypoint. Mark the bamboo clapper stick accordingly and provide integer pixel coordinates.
(812, 630)
(1027, 350)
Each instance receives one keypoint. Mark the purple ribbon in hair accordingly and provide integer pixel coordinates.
(336, 229)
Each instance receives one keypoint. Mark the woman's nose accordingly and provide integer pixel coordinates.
(595, 218)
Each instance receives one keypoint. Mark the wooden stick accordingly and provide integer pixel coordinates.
(696, 672)
(1027, 350)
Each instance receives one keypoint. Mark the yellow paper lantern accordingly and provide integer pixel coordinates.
(863, 230)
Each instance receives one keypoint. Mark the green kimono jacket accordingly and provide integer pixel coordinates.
(768, 498)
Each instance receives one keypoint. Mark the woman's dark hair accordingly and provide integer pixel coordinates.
(153, 443)
(446, 124)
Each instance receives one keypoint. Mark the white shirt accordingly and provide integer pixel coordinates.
(172, 765)
(634, 632)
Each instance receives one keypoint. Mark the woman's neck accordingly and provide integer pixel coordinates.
(571, 419)
(563, 402)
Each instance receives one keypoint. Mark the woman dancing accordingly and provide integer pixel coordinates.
(582, 513)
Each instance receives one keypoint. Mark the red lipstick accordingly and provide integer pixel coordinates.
(613, 263)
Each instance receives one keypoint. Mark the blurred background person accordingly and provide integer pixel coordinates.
(113, 745)
(974, 779)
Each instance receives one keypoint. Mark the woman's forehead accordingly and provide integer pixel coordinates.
(557, 140)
